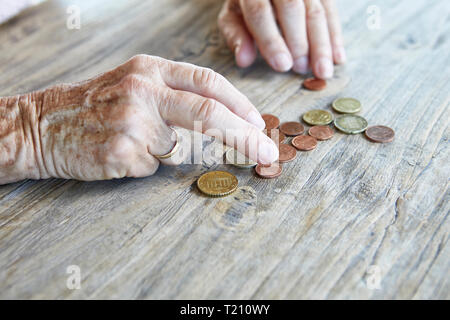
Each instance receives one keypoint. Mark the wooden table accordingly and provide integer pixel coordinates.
(352, 219)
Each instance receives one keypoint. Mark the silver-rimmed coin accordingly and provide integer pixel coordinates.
(238, 159)
(351, 124)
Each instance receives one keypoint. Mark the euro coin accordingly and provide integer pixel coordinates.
(318, 117)
(351, 124)
(346, 105)
(381, 134)
(314, 84)
(239, 160)
(276, 135)
(217, 183)
(271, 121)
(304, 143)
(269, 172)
(287, 153)
(321, 132)
(292, 128)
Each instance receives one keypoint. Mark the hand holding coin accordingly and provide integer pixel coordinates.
(119, 124)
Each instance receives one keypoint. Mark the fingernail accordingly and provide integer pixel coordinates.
(237, 48)
(255, 118)
(301, 65)
(341, 55)
(281, 62)
(324, 68)
(268, 153)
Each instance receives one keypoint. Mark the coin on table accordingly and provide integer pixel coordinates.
(346, 105)
(269, 172)
(217, 183)
(276, 135)
(314, 84)
(321, 132)
(237, 159)
(351, 124)
(287, 153)
(380, 134)
(318, 117)
(304, 143)
(292, 128)
(271, 121)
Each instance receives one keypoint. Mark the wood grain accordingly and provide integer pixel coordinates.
(313, 233)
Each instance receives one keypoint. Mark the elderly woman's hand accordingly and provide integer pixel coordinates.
(310, 34)
(113, 126)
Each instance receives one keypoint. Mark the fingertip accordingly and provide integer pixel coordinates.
(256, 119)
(301, 65)
(281, 62)
(268, 152)
(245, 54)
(323, 68)
(340, 56)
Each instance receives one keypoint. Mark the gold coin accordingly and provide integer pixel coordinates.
(318, 117)
(346, 105)
(238, 159)
(217, 183)
(351, 124)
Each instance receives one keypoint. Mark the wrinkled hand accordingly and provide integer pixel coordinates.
(310, 36)
(114, 125)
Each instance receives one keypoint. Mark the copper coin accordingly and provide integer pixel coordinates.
(269, 172)
(380, 134)
(271, 121)
(321, 132)
(287, 153)
(304, 143)
(292, 128)
(276, 135)
(314, 84)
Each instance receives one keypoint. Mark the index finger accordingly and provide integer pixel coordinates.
(208, 116)
(210, 84)
(335, 29)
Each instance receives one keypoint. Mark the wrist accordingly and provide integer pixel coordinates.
(20, 143)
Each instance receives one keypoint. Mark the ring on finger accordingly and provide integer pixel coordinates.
(174, 149)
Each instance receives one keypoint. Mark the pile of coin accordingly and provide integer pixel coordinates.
(220, 183)
(280, 132)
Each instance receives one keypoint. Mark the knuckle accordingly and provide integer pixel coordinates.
(206, 111)
(132, 83)
(299, 48)
(206, 78)
(129, 82)
(138, 62)
(256, 9)
(328, 3)
(166, 103)
(289, 5)
(143, 64)
(315, 10)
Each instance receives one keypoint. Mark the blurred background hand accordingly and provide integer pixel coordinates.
(301, 35)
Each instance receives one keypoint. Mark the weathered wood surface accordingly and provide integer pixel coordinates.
(313, 233)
